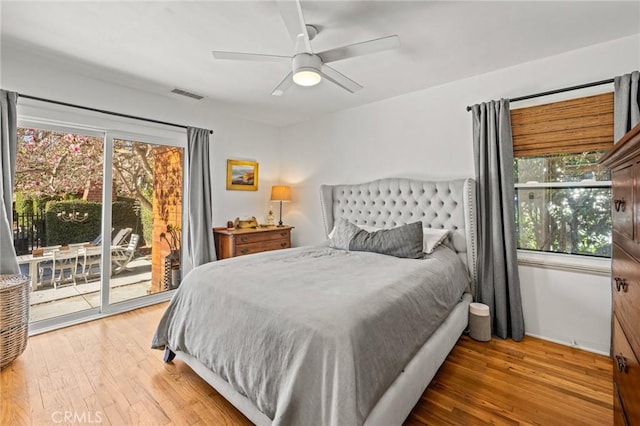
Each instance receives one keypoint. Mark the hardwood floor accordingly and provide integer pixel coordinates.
(104, 372)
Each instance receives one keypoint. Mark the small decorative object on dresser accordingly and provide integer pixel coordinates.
(624, 162)
(252, 222)
(271, 219)
(238, 242)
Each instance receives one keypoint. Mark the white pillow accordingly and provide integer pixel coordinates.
(431, 238)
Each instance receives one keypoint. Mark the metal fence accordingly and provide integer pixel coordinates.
(28, 231)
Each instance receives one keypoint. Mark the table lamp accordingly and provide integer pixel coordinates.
(280, 193)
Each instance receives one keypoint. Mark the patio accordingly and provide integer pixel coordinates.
(133, 282)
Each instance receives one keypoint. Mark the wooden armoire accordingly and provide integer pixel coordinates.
(624, 162)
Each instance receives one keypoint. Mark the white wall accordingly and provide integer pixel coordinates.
(567, 307)
(29, 73)
(427, 134)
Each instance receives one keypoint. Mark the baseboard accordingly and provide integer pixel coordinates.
(560, 342)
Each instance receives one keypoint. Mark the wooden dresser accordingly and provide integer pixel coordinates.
(238, 242)
(624, 162)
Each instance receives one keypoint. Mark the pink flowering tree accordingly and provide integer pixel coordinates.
(55, 164)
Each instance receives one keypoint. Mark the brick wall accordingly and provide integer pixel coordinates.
(167, 206)
(93, 191)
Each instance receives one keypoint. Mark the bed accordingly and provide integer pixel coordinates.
(317, 335)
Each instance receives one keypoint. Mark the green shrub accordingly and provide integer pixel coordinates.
(60, 232)
(40, 203)
(147, 224)
(23, 204)
(126, 214)
(123, 215)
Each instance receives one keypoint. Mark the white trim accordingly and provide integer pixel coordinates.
(59, 115)
(581, 184)
(87, 315)
(566, 262)
(563, 343)
(107, 213)
(59, 126)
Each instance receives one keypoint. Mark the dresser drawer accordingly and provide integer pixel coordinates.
(242, 249)
(625, 284)
(622, 201)
(262, 236)
(626, 373)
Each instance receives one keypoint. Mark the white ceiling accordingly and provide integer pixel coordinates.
(156, 46)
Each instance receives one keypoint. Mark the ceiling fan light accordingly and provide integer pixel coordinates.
(306, 77)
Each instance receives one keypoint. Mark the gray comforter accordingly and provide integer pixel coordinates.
(312, 335)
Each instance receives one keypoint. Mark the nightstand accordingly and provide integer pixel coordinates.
(238, 242)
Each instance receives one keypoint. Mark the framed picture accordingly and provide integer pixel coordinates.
(242, 175)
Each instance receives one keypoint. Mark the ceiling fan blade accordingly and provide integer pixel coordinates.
(283, 85)
(359, 49)
(339, 79)
(250, 57)
(291, 13)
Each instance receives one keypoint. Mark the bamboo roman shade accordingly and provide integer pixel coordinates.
(566, 127)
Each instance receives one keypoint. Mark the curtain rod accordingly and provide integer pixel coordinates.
(552, 92)
(117, 114)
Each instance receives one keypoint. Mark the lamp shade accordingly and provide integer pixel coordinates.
(281, 193)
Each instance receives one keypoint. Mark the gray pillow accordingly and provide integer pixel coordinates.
(403, 241)
(342, 234)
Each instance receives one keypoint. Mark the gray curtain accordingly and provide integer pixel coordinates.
(200, 224)
(626, 107)
(8, 147)
(499, 282)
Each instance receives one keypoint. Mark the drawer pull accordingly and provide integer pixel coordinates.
(621, 363)
(283, 234)
(283, 244)
(621, 284)
(244, 250)
(244, 239)
(619, 204)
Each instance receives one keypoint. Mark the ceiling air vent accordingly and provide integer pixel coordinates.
(187, 94)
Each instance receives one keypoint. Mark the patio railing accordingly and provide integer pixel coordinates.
(28, 231)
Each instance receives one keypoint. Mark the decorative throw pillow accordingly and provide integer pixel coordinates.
(342, 233)
(404, 241)
(432, 238)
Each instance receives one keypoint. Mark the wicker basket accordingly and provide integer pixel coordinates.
(14, 317)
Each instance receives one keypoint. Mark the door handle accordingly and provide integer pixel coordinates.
(621, 284)
(619, 204)
(621, 363)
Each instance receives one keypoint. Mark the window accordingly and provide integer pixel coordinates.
(563, 196)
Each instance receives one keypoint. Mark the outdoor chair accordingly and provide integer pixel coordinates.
(61, 261)
(120, 236)
(121, 256)
(88, 259)
(98, 240)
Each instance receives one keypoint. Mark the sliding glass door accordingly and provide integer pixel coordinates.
(97, 219)
(149, 177)
(57, 216)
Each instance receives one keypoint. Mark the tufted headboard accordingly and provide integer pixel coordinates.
(386, 203)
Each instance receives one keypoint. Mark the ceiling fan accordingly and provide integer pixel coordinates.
(308, 68)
